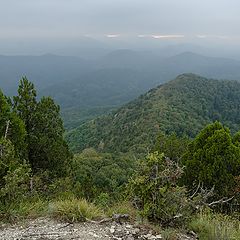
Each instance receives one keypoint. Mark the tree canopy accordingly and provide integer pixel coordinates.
(213, 159)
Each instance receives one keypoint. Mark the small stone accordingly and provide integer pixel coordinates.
(152, 238)
(130, 238)
(93, 234)
(112, 230)
(128, 226)
(135, 231)
(147, 236)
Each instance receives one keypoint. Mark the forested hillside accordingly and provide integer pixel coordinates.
(183, 105)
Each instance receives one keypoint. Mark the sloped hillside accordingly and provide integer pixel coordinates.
(183, 105)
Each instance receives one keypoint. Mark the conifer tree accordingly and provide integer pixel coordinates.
(47, 150)
(25, 104)
(50, 150)
(12, 127)
(213, 160)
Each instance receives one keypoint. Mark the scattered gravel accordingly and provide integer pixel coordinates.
(47, 229)
(44, 229)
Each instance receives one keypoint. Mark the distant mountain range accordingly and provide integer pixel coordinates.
(44, 71)
(183, 105)
(82, 87)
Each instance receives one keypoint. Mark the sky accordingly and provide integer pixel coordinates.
(188, 20)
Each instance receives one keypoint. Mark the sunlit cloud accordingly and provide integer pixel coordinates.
(224, 37)
(167, 36)
(112, 35)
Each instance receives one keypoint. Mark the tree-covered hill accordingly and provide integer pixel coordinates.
(183, 105)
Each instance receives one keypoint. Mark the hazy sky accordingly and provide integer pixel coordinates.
(158, 19)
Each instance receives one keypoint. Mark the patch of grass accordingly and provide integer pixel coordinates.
(122, 208)
(74, 210)
(211, 226)
(170, 234)
(18, 211)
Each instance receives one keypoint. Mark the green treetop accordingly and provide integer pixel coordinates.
(213, 160)
(49, 148)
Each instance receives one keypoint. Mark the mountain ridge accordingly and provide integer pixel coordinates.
(183, 105)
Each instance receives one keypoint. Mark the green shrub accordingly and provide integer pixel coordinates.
(74, 210)
(14, 174)
(155, 193)
(94, 173)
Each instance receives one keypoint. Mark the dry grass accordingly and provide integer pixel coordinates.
(210, 226)
(74, 210)
(122, 208)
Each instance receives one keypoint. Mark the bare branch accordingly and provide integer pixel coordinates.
(223, 200)
(196, 191)
(7, 128)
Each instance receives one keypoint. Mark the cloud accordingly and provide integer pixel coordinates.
(211, 36)
(142, 35)
(112, 35)
(167, 36)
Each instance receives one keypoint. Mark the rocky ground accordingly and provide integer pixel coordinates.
(46, 229)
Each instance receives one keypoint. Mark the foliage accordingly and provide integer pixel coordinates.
(172, 146)
(14, 176)
(11, 126)
(215, 226)
(95, 173)
(74, 210)
(25, 103)
(32, 149)
(46, 147)
(155, 193)
(213, 160)
(122, 207)
(103, 200)
(31, 207)
(50, 151)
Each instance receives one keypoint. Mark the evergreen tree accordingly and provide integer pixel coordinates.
(25, 106)
(172, 146)
(25, 103)
(50, 149)
(213, 160)
(47, 149)
(12, 127)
